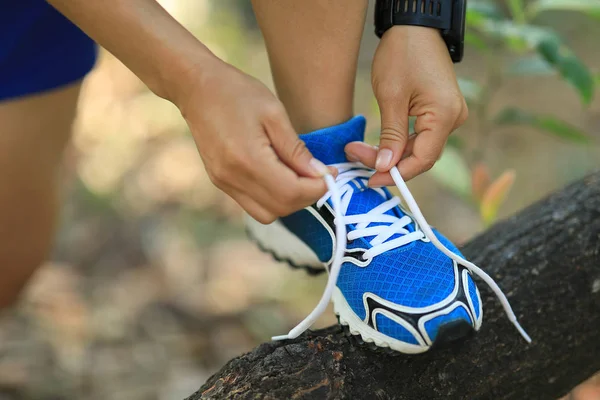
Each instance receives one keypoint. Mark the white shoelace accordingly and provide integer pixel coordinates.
(340, 192)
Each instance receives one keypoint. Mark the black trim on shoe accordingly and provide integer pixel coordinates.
(413, 318)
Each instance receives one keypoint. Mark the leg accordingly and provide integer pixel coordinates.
(33, 133)
(41, 67)
(313, 49)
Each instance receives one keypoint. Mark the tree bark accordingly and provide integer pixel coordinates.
(546, 259)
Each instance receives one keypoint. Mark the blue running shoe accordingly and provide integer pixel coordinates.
(395, 288)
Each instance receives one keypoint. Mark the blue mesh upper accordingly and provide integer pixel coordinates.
(327, 145)
(433, 326)
(310, 231)
(415, 275)
(393, 329)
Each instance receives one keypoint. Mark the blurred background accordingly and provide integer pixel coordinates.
(153, 285)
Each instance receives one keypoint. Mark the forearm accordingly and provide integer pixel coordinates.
(140, 33)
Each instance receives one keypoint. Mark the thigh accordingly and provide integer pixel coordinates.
(34, 131)
(43, 58)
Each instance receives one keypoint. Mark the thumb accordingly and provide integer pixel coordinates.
(394, 134)
(291, 150)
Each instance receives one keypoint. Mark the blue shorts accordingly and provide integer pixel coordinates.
(40, 49)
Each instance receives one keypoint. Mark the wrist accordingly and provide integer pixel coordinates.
(448, 17)
(413, 32)
(181, 74)
(414, 41)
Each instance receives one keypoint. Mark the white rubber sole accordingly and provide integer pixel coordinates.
(358, 327)
(282, 244)
(277, 240)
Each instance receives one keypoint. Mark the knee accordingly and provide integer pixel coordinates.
(16, 268)
(8, 299)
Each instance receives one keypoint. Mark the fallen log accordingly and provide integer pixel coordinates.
(546, 258)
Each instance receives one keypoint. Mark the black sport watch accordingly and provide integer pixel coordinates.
(446, 15)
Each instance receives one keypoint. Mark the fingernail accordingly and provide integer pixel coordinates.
(351, 157)
(384, 158)
(319, 168)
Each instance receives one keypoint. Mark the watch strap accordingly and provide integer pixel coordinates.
(429, 13)
(446, 15)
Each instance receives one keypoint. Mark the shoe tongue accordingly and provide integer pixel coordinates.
(327, 144)
(364, 201)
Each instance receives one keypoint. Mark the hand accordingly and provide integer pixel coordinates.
(248, 145)
(412, 75)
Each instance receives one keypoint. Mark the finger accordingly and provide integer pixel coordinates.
(380, 179)
(295, 195)
(433, 129)
(426, 151)
(394, 133)
(281, 191)
(367, 154)
(288, 147)
(361, 152)
(253, 209)
(409, 146)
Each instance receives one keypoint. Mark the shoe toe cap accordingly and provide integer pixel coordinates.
(447, 327)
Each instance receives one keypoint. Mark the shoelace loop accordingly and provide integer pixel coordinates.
(346, 182)
(340, 194)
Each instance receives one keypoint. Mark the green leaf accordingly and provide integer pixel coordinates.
(495, 195)
(545, 123)
(570, 67)
(472, 39)
(591, 7)
(483, 9)
(470, 89)
(455, 142)
(517, 45)
(518, 36)
(452, 171)
(532, 65)
(517, 10)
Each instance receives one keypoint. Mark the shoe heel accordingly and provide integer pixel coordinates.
(283, 245)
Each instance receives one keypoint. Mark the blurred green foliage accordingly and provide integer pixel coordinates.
(494, 30)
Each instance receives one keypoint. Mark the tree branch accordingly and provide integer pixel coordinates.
(546, 259)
